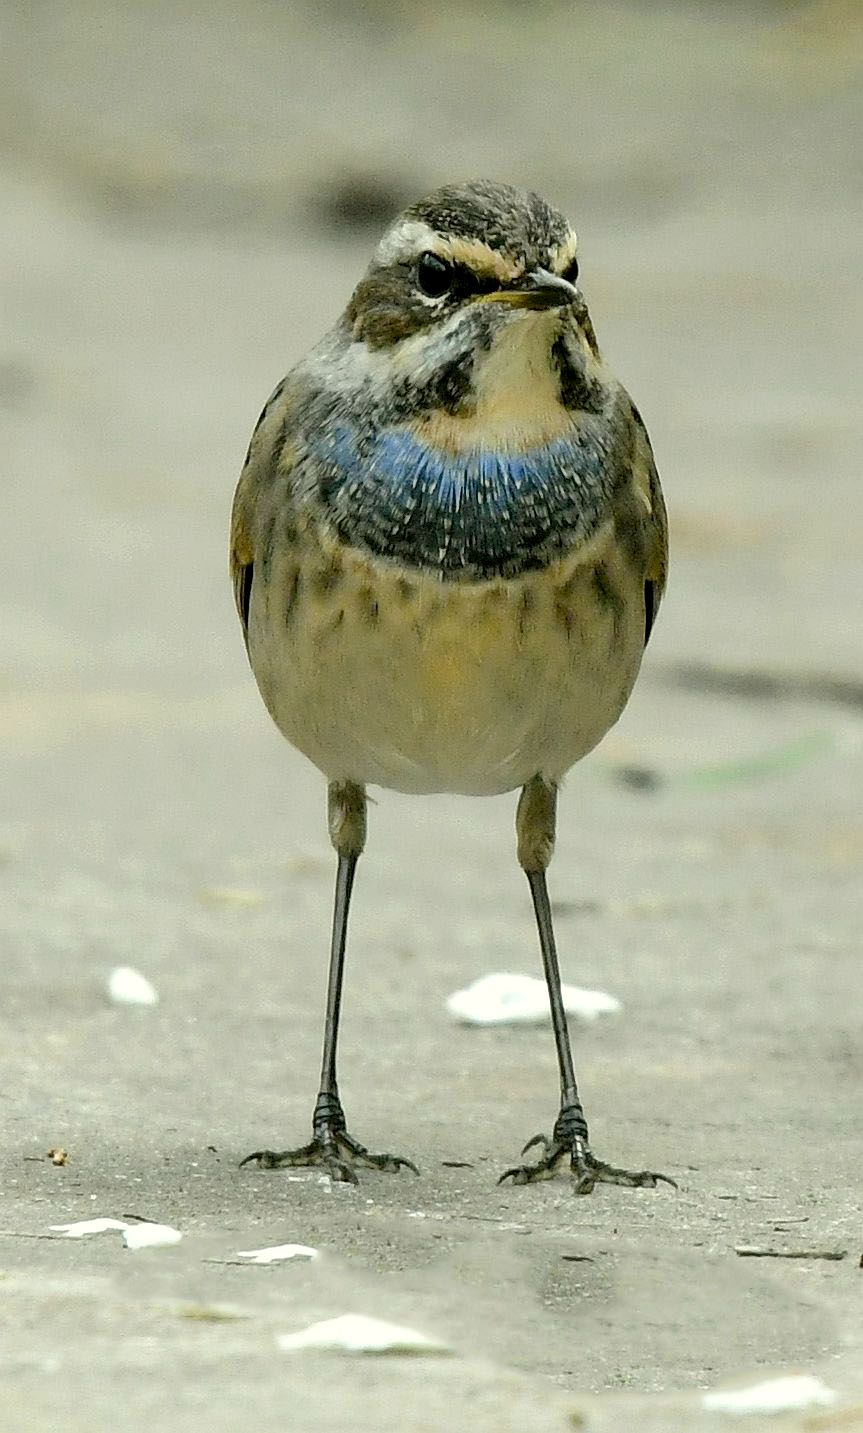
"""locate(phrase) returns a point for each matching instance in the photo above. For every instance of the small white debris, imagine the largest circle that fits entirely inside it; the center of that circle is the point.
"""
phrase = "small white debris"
(358, 1333)
(277, 1252)
(522, 1000)
(88, 1226)
(135, 1236)
(776, 1395)
(129, 987)
(150, 1236)
(231, 896)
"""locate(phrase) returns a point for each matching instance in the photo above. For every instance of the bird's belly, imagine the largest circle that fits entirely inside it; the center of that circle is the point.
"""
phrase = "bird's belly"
(397, 679)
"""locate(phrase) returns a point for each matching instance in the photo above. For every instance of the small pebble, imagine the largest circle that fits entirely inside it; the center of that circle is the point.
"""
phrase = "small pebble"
(277, 1252)
(358, 1333)
(775, 1395)
(129, 987)
(84, 1227)
(502, 999)
(150, 1236)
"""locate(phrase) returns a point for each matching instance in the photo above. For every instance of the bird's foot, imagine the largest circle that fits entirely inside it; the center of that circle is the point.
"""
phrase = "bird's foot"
(331, 1148)
(569, 1142)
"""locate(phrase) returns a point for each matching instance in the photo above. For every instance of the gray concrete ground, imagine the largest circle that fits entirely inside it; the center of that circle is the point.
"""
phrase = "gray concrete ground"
(182, 196)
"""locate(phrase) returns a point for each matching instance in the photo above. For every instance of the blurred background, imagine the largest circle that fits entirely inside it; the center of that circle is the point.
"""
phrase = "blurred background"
(188, 193)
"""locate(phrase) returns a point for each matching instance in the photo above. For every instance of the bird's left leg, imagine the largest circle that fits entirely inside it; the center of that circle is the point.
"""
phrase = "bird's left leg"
(331, 1146)
(535, 827)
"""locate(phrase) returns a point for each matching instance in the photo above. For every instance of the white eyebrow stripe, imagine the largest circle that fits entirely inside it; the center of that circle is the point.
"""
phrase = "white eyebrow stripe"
(411, 237)
(408, 238)
(405, 240)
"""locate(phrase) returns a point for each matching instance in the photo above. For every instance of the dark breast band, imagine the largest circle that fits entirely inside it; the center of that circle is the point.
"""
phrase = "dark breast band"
(471, 515)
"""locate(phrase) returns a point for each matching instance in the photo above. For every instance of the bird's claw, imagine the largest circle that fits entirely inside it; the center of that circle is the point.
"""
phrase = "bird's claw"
(542, 1139)
(586, 1170)
(335, 1151)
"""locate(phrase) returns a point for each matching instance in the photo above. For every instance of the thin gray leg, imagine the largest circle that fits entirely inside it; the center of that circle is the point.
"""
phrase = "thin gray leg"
(535, 827)
(331, 1145)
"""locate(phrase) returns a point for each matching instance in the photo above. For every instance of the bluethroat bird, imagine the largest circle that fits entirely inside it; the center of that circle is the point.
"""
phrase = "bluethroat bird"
(448, 549)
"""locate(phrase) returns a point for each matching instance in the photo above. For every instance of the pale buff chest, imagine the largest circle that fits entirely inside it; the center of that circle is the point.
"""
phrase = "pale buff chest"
(393, 678)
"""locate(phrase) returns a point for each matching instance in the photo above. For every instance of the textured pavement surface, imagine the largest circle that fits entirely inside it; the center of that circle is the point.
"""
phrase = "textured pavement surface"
(182, 196)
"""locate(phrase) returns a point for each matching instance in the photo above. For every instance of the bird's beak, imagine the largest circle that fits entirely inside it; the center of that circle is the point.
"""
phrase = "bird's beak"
(539, 289)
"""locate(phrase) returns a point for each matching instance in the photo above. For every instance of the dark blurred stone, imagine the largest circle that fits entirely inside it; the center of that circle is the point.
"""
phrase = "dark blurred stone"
(638, 778)
(358, 202)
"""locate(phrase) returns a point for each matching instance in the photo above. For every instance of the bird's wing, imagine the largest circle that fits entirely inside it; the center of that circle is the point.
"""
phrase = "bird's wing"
(253, 489)
(646, 482)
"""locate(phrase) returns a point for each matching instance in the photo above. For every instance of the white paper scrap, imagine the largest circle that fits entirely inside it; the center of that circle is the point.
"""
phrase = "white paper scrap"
(150, 1236)
(135, 1236)
(523, 1000)
(277, 1252)
(358, 1333)
(129, 987)
(775, 1395)
(88, 1226)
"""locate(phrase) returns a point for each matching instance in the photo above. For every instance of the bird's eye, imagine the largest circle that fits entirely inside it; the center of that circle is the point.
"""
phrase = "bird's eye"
(570, 273)
(434, 275)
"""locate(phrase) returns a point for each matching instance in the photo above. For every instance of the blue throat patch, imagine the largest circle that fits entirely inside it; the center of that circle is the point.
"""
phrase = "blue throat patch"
(471, 514)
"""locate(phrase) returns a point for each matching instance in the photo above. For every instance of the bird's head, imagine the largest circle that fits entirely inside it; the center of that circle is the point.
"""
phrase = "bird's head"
(458, 417)
(470, 307)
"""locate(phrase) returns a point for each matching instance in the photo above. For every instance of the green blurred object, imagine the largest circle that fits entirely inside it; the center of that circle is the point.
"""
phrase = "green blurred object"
(781, 759)
(787, 757)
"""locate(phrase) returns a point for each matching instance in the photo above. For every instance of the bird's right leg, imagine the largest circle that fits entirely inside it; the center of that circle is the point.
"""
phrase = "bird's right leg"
(331, 1146)
(569, 1143)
